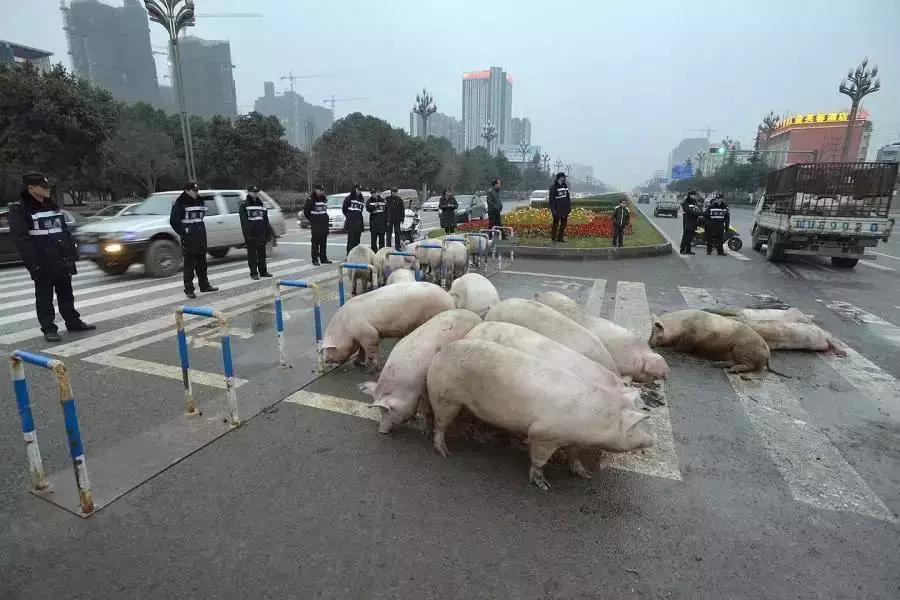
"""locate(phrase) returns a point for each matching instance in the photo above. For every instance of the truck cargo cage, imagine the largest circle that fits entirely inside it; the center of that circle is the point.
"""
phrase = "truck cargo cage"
(832, 189)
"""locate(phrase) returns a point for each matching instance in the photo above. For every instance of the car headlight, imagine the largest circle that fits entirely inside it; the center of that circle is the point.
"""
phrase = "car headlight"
(113, 248)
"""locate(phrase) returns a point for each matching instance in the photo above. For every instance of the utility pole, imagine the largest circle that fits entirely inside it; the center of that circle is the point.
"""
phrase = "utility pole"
(863, 81)
(309, 155)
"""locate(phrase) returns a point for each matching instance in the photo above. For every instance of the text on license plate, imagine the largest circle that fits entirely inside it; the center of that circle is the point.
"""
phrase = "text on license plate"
(89, 248)
(837, 225)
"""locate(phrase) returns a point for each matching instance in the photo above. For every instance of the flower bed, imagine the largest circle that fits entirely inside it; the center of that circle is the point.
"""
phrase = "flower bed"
(536, 222)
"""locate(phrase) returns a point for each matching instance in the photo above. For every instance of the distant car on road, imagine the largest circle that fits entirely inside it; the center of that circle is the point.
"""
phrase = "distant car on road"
(119, 209)
(539, 196)
(8, 252)
(666, 208)
(335, 208)
(644, 199)
(431, 203)
(470, 207)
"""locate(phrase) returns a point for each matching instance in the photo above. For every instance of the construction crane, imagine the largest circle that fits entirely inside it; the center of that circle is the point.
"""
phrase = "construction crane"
(291, 77)
(709, 131)
(331, 101)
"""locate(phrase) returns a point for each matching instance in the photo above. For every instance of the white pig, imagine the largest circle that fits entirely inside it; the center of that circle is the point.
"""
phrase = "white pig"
(380, 262)
(632, 354)
(453, 261)
(388, 312)
(554, 325)
(401, 276)
(474, 292)
(402, 381)
(479, 248)
(531, 396)
(790, 315)
(783, 335)
(361, 277)
(429, 258)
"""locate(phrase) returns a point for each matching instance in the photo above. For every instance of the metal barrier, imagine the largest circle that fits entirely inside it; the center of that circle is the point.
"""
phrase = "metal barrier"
(227, 365)
(450, 238)
(357, 266)
(512, 242)
(38, 477)
(418, 268)
(317, 318)
(487, 242)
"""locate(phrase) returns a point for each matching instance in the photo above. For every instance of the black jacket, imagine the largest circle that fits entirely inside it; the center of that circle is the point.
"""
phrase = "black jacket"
(447, 206)
(395, 209)
(255, 222)
(621, 216)
(560, 201)
(42, 238)
(494, 203)
(316, 212)
(717, 215)
(186, 219)
(352, 209)
(377, 208)
(690, 213)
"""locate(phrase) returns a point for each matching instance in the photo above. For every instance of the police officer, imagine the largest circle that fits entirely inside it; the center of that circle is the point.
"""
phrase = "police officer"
(44, 242)
(186, 219)
(690, 214)
(560, 207)
(377, 208)
(316, 212)
(352, 209)
(447, 206)
(257, 231)
(396, 213)
(717, 218)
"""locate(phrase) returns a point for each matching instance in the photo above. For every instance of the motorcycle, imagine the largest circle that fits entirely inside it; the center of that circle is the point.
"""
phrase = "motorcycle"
(410, 228)
(732, 238)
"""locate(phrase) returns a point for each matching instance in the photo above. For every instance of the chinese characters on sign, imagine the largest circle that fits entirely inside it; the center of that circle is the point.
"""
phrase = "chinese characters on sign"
(812, 118)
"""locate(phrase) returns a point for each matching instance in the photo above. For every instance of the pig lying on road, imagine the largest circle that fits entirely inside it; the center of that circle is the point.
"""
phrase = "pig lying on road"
(528, 395)
(361, 277)
(388, 312)
(554, 325)
(733, 344)
(474, 292)
(402, 381)
(401, 276)
(790, 315)
(632, 355)
(782, 335)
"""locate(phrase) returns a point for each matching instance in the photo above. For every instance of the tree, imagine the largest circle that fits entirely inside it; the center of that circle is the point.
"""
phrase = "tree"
(142, 150)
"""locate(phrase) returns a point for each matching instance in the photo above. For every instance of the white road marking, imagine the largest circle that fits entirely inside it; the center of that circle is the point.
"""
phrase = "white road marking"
(734, 254)
(26, 288)
(344, 406)
(532, 274)
(886, 255)
(874, 265)
(869, 379)
(697, 297)
(22, 275)
(594, 304)
(216, 380)
(884, 329)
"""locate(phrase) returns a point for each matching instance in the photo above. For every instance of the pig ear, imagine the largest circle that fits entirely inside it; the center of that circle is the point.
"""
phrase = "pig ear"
(630, 418)
(657, 325)
(368, 388)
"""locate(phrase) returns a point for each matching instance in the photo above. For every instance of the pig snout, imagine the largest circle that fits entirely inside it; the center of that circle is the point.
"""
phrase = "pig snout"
(636, 434)
(655, 366)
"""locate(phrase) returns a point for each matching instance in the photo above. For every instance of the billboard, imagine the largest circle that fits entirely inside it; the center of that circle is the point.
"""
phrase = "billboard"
(513, 153)
(683, 171)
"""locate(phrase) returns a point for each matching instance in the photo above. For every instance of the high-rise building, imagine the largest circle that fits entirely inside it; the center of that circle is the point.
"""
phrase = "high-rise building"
(303, 122)
(439, 125)
(889, 153)
(16, 54)
(687, 148)
(208, 79)
(520, 130)
(487, 98)
(110, 48)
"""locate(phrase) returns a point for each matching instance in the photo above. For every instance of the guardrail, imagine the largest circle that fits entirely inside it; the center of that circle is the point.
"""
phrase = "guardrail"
(483, 256)
(317, 318)
(227, 364)
(39, 482)
(354, 266)
(496, 242)
(418, 269)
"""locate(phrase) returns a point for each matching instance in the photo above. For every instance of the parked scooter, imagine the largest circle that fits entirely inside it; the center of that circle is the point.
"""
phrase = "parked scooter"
(410, 229)
(732, 238)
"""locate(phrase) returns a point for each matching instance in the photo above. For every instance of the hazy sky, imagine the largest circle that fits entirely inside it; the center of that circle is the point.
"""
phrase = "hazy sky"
(614, 84)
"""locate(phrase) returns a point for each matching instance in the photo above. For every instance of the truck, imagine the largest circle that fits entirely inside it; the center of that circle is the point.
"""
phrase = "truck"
(666, 208)
(825, 209)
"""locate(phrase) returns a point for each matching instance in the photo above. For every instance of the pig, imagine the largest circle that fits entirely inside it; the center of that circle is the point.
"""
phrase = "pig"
(479, 248)
(453, 261)
(554, 325)
(535, 344)
(782, 335)
(528, 395)
(737, 347)
(429, 258)
(790, 315)
(632, 354)
(474, 292)
(388, 312)
(401, 276)
(359, 277)
(402, 381)
(380, 262)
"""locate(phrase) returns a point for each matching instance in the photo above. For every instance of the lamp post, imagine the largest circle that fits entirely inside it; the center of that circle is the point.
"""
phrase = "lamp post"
(174, 16)
(862, 82)
(524, 148)
(559, 165)
(489, 132)
(545, 161)
(424, 107)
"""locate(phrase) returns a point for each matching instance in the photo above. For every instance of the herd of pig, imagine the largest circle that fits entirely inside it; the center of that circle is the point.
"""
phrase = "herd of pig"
(542, 368)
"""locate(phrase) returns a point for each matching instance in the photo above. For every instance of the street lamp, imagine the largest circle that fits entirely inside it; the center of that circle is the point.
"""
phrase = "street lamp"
(489, 132)
(545, 160)
(174, 16)
(424, 107)
(863, 81)
(524, 148)
(559, 165)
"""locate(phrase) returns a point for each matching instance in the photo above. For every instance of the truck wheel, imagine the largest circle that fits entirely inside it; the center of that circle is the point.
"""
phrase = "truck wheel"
(218, 252)
(842, 262)
(163, 259)
(112, 268)
(774, 248)
(757, 242)
(735, 244)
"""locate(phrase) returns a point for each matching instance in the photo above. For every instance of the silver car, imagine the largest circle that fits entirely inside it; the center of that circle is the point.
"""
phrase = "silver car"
(119, 209)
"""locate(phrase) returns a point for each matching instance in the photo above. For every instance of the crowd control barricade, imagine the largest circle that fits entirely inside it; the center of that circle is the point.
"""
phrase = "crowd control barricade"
(387, 269)
(227, 364)
(354, 266)
(38, 478)
(317, 318)
(433, 246)
(506, 238)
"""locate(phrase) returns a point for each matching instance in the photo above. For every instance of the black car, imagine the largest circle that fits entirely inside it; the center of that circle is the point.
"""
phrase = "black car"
(644, 199)
(470, 207)
(8, 253)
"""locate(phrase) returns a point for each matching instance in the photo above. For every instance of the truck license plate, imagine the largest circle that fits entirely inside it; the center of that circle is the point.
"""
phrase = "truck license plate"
(837, 226)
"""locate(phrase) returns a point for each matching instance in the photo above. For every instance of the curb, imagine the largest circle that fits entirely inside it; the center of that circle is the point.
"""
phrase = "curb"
(563, 253)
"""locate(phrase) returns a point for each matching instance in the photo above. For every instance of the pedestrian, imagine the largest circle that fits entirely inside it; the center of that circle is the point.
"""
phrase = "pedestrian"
(376, 206)
(717, 219)
(690, 215)
(44, 242)
(396, 213)
(257, 232)
(186, 219)
(560, 207)
(316, 212)
(621, 219)
(353, 207)
(447, 206)
(494, 205)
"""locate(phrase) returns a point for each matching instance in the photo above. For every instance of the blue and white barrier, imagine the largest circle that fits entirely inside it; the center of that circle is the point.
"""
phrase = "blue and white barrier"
(38, 478)
(317, 318)
(354, 266)
(418, 268)
(227, 364)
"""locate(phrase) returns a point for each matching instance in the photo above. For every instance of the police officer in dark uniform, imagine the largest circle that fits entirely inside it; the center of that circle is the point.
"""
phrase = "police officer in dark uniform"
(560, 206)
(316, 212)
(353, 215)
(186, 219)
(690, 215)
(257, 232)
(44, 242)
(377, 208)
(396, 212)
(717, 218)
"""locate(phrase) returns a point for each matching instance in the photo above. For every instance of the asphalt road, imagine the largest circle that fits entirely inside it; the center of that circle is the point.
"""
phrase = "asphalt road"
(784, 488)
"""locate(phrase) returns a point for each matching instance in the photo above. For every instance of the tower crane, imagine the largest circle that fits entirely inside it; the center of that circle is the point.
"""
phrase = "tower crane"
(292, 78)
(331, 101)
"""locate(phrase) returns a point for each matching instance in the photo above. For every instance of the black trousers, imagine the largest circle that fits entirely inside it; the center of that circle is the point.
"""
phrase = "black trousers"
(494, 219)
(558, 228)
(714, 239)
(394, 228)
(451, 229)
(43, 302)
(256, 259)
(195, 263)
(687, 237)
(377, 238)
(619, 235)
(353, 238)
(319, 246)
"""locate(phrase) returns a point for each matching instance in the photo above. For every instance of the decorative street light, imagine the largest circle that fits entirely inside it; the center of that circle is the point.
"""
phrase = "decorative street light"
(524, 148)
(545, 160)
(559, 165)
(863, 81)
(489, 132)
(174, 16)
(424, 107)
